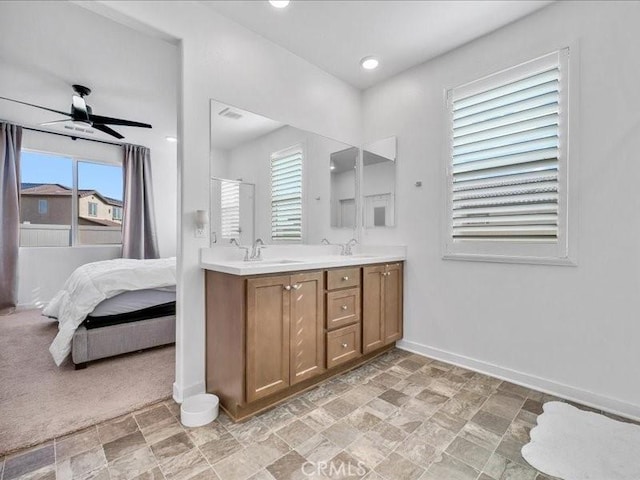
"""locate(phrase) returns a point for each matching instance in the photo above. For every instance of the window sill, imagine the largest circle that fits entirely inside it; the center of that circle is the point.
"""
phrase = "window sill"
(557, 261)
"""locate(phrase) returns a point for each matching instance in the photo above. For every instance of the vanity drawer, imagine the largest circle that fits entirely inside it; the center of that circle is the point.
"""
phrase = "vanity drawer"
(343, 308)
(343, 345)
(343, 278)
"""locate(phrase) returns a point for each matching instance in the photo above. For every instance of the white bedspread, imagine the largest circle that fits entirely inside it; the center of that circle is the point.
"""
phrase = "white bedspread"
(92, 283)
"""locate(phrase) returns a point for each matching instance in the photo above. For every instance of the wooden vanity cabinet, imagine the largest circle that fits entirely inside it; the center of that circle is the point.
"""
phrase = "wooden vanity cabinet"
(271, 336)
(381, 305)
(285, 317)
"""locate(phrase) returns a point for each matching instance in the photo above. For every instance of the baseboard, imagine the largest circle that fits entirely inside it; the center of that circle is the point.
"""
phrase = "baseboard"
(585, 397)
(180, 393)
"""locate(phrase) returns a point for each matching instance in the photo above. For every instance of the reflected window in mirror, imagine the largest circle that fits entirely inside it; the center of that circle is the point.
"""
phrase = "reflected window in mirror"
(230, 209)
(379, 183)
(286, 194)
(343, 187)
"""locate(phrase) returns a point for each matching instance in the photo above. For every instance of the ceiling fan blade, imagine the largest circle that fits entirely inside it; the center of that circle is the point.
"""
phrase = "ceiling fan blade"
(54, 122)
(37, 106)
(99, 119)
(107, 130)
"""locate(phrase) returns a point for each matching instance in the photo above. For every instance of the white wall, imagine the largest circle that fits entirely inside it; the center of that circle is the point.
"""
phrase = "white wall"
(252, 162)
(224, 61)
(44, 270)
(572, 330)
(132, 76)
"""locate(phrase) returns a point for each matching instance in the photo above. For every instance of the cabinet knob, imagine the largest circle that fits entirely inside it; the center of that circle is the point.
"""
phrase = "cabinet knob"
(297, 286)
(344, 345)
(287, 287)
(344, 307)
(345, 278)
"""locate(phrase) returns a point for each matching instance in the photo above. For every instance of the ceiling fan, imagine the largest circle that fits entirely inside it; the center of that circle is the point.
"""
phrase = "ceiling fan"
(82, 113)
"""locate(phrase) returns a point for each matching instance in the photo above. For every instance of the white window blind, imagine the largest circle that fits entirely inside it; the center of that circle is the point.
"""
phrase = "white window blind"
(506, 156)
(286, 195)
(230, 209)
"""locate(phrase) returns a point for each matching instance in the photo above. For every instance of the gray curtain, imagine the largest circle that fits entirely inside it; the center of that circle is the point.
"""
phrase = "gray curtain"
(10, 143)
(139, 238)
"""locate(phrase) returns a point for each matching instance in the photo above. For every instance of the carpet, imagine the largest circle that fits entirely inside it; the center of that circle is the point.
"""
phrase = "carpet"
(576, 445)
(39, 401)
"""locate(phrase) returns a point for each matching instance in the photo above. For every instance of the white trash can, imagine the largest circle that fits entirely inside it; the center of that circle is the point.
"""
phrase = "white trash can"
(199, 410)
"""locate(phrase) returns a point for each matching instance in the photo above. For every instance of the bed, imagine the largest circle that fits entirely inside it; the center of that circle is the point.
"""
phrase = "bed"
(114, 307)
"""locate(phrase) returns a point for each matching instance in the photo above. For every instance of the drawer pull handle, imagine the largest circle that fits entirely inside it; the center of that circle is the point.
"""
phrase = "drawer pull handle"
(344, 345)
(297, 286)
(287, 287)
(344, 307)
(345, 278)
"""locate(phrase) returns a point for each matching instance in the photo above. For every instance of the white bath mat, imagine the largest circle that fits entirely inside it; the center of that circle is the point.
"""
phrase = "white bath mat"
(576, 445)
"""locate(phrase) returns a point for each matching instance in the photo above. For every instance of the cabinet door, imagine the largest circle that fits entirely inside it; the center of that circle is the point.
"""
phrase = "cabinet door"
(393, 303)
(268, 311)
(373, 336)
(307, 326)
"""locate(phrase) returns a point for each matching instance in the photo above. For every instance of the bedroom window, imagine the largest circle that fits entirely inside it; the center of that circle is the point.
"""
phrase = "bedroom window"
(100, 192)
(46, 188)
(50, 217)
(230, 209)
(508, 165)
(286, 194)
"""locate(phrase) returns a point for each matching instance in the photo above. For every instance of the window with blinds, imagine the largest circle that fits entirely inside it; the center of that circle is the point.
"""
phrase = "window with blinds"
(286, 194)
(230, 209)
(505, 175)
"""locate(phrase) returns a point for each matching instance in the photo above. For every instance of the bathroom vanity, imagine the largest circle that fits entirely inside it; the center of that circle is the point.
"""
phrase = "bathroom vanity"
(277, 327)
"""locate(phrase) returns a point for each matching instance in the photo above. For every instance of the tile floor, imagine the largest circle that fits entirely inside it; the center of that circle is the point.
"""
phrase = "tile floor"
(400, 417)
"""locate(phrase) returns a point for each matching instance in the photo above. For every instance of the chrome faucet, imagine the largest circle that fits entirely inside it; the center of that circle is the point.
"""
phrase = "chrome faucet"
(256, 252)
(233, 241)
(346, 248)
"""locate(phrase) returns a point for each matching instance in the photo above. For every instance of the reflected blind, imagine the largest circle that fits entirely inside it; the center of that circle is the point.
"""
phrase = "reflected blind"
(286, 195)
(230, 209)
(505, 158)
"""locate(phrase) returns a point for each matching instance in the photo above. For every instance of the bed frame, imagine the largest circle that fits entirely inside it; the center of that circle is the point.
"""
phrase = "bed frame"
(95, 343)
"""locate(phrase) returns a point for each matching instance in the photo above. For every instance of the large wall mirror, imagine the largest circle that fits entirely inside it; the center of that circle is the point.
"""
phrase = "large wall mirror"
(303, 185)
(379, 183)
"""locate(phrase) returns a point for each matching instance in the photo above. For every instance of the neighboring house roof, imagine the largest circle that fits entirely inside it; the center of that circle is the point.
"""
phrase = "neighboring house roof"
(57, 189)
(114, 201)
(44, 189)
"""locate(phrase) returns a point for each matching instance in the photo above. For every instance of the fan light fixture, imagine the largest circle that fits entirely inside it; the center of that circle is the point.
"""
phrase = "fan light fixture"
(279, 3)
(369, 63)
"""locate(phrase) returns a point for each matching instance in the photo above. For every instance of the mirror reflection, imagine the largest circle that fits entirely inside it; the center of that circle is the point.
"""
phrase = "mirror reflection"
(232, 211)
(379, 183)
(289, 169)
(343, 188)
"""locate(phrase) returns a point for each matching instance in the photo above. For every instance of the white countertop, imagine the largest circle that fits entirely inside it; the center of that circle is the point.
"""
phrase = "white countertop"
(293, 258)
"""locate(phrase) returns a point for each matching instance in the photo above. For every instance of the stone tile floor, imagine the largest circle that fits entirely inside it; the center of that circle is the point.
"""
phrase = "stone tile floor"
(402, 416)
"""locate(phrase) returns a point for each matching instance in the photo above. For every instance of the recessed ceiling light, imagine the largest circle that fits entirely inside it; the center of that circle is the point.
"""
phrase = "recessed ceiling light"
(369, 63)
(279, 3)
(171, 139)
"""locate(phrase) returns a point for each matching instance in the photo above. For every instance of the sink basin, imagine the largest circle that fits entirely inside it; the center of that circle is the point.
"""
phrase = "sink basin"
(275, 262)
